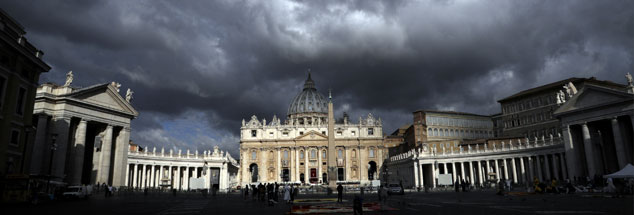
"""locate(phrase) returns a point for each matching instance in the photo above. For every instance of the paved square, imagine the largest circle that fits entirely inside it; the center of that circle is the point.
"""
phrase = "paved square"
(485, 202)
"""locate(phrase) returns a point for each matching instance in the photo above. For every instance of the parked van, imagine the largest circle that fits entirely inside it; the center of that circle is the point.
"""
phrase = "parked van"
(77, 192)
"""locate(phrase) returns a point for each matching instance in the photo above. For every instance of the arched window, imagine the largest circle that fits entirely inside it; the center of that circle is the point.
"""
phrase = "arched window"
(371, 153)
(254, 155)
(339, 153)
(301, 154)
(430, 132)
(285, 154)
(313, 154)
(323, 154)
(435, 132)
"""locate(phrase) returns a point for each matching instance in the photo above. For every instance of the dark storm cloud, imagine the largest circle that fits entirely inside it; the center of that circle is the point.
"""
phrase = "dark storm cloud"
(226, 60)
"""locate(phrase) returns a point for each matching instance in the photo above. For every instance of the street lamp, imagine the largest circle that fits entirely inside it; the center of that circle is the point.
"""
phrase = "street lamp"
(50, 162)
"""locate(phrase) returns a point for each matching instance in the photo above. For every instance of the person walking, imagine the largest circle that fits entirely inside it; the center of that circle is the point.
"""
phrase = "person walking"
(292, 193)
(246, 191)
(287, 194)
(339, 193)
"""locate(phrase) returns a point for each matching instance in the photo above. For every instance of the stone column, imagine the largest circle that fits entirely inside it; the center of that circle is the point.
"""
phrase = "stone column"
(306, 173)
(346, 160)
(434, 174)
(453, 169)
(514, 170)
(127, 177)
(522, 170)
(486, 173)
(121, 156)
(296, 165)
(555, 168)
(39, 147)
(61, 127)
(153, 176)
(135, 175)
(539, 168)
(161, 171)
(177, 178)
(587, 143)
(619, 144)
(208, 177)
(186, 177)
(547, 167)
(143, 175)
(471, 169)
(421, 174)
(104, 169)
(319, 178)
(531, 170)
(497, 170)
(506, 169)
(416, 183)
(571, 157)
(563, 166)
(279, 165)
(78, 153)
(444, 168)
(480, 173)
(462, 173)
(224, 177)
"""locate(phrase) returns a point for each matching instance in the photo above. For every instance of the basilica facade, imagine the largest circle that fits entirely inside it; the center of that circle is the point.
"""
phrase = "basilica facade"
(309, 145)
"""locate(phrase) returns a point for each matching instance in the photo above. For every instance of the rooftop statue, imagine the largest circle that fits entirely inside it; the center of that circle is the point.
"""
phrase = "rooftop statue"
(69, 78)
(128, 95)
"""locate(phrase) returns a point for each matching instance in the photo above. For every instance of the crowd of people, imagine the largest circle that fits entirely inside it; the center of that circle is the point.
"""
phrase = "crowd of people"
(270, 192)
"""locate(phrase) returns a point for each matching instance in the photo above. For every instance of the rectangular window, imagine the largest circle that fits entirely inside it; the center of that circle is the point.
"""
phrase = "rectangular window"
(254, 155)
(371, 153)
(270, 134)
(353, 133)
(370, 131)
(340, 153)
(323, 132)
(339, 133)
(15, 137)
(323, 154)
(254, 133)
(301, 155)
(313, 154)
(19, 106)
(301, 133)
(285, 133)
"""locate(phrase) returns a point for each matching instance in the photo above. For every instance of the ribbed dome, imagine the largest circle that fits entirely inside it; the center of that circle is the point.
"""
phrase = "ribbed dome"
(309, 100)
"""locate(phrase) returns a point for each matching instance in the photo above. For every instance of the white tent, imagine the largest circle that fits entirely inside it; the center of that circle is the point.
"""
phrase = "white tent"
(626, 172)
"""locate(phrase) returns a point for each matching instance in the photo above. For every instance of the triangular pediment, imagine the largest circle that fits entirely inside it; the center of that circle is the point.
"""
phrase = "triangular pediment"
(103, 96)
(312, 135)
(593, 96)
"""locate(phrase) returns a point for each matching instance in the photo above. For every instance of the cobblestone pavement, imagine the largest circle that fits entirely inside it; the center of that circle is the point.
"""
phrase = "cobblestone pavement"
(411, 203)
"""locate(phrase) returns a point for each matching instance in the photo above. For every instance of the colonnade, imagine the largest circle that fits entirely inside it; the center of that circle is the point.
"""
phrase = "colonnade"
(521, 169)
(178, 177)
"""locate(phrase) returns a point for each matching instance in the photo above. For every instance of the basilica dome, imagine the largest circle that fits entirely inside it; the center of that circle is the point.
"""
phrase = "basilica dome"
(309, 101)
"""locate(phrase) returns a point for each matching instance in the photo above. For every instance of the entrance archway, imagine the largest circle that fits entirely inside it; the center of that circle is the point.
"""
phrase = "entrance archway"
(371, 170)
(324, 178)
(253, 168)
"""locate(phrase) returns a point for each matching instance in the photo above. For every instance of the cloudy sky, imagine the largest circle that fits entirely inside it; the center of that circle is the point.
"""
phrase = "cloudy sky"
(199, 67)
